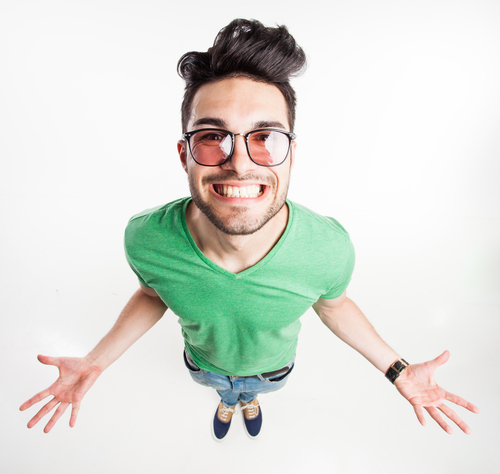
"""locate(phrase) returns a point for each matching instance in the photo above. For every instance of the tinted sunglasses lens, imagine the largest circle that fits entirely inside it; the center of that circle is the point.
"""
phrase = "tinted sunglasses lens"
(210, 147)
(268, 147)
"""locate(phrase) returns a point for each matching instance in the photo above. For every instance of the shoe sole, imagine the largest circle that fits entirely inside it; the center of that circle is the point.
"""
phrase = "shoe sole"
(249, 435)
(219, 440)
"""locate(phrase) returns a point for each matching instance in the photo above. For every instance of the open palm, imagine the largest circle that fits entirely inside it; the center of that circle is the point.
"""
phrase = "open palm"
(418, 386)
(76, 376)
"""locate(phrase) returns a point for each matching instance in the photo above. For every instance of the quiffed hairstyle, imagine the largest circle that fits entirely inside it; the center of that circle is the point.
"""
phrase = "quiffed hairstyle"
(244, 48)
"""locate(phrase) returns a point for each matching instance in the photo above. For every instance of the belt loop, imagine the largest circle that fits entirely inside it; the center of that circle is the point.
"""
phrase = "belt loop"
(262, 379)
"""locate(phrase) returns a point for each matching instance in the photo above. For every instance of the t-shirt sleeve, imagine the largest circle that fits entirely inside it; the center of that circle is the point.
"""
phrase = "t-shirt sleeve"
(135, 270)
(342, 282)
(129, 246)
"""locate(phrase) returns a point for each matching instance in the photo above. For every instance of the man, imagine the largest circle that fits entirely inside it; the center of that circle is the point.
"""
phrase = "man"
(237, 262)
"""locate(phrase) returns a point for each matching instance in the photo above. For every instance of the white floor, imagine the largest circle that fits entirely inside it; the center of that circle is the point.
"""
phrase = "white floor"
(337, 413)
(398, 139)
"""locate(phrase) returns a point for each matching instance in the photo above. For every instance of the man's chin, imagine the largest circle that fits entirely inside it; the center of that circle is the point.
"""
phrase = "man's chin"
(239, 228)
(237, 224)
(239, 221)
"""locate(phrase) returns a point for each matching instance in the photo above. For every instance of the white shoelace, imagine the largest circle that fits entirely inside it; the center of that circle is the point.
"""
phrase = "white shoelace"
(251, 410)
(224, 413)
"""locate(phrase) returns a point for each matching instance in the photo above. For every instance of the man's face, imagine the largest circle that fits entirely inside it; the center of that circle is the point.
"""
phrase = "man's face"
(239, 105)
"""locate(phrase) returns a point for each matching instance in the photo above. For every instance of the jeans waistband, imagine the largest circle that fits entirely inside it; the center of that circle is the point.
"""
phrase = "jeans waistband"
(265, 375)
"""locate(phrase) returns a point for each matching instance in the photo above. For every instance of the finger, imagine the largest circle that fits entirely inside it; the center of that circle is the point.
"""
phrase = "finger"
(37, 398)
(48, 360)
(420, 414)
(455, 418)
(437, 418)
(461, 402)
(74, 414)
(46, 409)
(58, 413)
(441, 359)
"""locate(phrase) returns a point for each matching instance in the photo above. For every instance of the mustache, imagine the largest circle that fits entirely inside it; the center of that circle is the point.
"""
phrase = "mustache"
(219, 178)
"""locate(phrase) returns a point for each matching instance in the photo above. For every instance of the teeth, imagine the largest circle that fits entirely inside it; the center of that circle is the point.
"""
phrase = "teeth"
(246, 192)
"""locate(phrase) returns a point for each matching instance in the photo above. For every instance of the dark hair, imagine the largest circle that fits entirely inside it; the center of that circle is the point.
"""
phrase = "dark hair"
(244, 48)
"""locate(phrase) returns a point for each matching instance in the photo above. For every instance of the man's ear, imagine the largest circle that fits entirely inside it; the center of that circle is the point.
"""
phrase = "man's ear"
(181, 149)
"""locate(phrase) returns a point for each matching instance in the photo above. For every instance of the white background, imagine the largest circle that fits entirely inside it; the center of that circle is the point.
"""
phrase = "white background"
(398, 138)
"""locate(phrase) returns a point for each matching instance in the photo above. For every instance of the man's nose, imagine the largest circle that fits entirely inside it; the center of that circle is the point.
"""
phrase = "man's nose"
(240, 162)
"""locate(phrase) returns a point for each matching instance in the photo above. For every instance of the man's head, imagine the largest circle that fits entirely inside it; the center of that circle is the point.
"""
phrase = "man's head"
(240, 87)
(244, 48)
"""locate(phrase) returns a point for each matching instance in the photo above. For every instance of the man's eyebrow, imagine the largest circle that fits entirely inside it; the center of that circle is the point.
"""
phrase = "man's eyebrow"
(218, 122)
(214, 121)
(268, 124)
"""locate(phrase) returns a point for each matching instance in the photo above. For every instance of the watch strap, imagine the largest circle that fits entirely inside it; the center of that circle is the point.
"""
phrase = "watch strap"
(396, 369)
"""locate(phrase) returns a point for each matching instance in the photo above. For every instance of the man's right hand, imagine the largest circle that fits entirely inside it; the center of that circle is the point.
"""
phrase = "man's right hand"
(76, 376)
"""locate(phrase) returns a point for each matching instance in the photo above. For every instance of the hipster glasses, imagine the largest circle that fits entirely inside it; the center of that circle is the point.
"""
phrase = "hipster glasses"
(214, 147)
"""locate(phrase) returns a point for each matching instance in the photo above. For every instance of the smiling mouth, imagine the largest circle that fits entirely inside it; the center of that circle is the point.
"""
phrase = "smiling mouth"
(247, 192)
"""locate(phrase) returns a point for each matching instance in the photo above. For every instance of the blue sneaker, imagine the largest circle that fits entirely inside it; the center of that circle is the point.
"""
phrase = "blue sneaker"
(253, 418)
(222, 421)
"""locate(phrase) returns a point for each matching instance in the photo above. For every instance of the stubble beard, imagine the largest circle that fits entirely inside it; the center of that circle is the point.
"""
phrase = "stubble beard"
(238, 222)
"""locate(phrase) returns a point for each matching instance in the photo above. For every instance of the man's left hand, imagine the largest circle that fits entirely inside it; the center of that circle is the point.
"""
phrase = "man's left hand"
(417, 385)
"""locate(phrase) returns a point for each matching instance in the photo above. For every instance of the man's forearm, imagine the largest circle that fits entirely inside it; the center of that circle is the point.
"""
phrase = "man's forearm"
(349, 323)
(140, 314)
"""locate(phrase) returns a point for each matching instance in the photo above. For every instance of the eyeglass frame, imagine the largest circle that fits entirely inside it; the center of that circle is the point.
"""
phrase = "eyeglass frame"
(291, 136)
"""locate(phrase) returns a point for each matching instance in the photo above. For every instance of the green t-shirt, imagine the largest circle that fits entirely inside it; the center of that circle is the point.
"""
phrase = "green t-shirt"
(245, 323)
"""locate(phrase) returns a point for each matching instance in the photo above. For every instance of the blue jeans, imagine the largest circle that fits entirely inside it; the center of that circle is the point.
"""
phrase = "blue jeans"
(234, 389)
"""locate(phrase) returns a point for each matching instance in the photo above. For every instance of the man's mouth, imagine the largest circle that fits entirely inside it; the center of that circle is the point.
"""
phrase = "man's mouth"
(248, 192)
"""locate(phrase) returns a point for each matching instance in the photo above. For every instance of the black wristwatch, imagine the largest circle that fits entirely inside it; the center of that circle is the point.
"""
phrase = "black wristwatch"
(396, 369)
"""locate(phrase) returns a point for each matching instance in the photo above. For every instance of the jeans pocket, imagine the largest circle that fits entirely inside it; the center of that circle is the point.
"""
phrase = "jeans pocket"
(279, 378)
(190, 365)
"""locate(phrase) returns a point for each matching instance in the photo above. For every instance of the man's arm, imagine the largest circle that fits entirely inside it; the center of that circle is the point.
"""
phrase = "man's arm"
(140, 314)
(346, 321)
(416, 383)
(78, 374)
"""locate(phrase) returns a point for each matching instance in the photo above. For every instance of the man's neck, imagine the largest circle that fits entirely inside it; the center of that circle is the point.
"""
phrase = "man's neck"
(234, 253)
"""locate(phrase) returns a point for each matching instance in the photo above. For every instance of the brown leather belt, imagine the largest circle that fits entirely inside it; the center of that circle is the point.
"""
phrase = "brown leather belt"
(274, 373)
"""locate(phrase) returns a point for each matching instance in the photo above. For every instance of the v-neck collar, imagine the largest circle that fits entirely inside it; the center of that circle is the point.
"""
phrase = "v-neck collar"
(249, 270)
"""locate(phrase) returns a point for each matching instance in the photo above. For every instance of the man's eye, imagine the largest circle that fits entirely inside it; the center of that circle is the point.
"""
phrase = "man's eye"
(261, 136)
(212, 136)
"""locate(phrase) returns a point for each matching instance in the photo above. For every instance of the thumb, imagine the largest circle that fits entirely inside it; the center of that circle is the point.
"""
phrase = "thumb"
(48, 360)
(441, 359)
